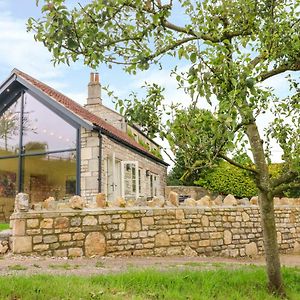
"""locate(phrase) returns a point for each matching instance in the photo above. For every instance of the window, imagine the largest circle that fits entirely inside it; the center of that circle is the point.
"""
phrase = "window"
(38, 152)
(10, 130)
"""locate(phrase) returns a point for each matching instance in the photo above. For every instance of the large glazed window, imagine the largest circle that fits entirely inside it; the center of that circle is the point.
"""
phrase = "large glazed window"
(38, 151)
(50, 175)
(43, 130)
(10, 130)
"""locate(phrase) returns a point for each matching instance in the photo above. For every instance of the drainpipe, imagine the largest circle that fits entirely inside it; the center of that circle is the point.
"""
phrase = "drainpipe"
(100, 163)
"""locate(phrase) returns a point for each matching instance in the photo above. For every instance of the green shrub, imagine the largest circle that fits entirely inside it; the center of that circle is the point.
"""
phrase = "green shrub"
(228, 179)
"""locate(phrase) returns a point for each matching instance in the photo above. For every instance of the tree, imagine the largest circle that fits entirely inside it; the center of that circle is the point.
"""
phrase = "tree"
(232, 46)
(146, 112)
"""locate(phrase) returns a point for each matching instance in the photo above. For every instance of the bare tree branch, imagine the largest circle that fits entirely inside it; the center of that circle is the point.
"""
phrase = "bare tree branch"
(234, 163)
(285, 178)
(284, 187)
(281, 69)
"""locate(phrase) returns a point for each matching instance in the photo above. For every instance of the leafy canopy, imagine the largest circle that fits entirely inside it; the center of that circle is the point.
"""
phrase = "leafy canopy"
(232, 47)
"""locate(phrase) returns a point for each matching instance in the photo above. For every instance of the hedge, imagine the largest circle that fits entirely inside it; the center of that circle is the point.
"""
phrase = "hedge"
(228, 179)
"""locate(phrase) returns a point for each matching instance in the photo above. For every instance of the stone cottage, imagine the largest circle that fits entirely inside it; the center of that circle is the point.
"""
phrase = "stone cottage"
(50, 146)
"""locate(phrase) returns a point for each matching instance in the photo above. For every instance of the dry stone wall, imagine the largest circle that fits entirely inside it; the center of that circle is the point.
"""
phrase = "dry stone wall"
(218, 231)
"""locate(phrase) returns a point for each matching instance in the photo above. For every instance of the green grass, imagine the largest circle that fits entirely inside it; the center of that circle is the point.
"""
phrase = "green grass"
(247, 283)
(4, 226)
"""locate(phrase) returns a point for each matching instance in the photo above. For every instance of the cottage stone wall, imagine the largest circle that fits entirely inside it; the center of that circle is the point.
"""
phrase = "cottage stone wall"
(90, 165)
(219, 231)
(125, 154)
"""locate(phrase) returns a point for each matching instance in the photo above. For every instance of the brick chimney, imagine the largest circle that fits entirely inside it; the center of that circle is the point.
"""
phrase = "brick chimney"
(94, 90)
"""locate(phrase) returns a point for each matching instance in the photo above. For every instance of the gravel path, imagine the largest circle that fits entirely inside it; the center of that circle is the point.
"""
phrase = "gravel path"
(24, 265)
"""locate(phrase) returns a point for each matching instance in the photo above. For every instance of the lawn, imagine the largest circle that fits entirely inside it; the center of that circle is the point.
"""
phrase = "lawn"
(244, 283)
(4, 226)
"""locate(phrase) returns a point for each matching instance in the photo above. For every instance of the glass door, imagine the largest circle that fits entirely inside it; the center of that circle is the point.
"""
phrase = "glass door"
(130, 180)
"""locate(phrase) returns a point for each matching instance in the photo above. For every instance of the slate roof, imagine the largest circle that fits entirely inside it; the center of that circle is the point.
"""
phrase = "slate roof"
(84, 114)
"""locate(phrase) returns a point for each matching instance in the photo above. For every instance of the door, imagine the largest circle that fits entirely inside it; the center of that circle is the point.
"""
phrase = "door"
(113, 178)
(130, 180)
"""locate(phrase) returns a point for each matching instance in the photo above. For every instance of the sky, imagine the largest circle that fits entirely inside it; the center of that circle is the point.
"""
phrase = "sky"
(18, 49)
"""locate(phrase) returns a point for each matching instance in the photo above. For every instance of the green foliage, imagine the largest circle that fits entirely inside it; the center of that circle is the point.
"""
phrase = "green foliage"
(232, 47)
(219, 282)
(4, 226)
(227, 179)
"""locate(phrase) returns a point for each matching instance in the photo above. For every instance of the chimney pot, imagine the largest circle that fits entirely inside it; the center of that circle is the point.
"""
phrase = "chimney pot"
(92, 77)
(97, 77)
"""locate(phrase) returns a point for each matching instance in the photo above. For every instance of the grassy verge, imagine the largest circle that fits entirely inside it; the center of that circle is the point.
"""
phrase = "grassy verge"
(4, 226)
(246, 283)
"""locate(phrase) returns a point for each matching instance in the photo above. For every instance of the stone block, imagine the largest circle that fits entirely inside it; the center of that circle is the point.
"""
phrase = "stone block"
(204, 201)
(179, 214)
(296, 247)
(254, 200)
(75, 221)
(78, 236)
(245, 217)
(162, 239)
(190, 202)
(40, 247)
(101, 200)
(77, 202)
(48, 239)
(75, 252)
(61, 253)
(22, 202)
(61, 222)
(22, 244)
(95, 244)
(133, 225)
(65, 237)
(33, 223)
(89, 221)
(227, 237)
(205, 221)
(47, 223)
(18, 227)
(146, 221)
(174, 251)
(251, 249)
(204, 243)
(37, 239)
(188, 251)
(230, 200)
(174, 198)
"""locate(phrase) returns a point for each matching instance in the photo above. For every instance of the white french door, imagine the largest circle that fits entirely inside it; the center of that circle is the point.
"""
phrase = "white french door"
(130, 179)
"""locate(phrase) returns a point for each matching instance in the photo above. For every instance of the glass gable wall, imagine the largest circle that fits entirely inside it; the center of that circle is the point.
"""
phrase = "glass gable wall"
(38, 151)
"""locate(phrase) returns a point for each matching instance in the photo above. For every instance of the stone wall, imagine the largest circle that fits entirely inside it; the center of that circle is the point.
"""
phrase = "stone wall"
(90, 165)
(89, 168)
(124, 154)
(219, 231)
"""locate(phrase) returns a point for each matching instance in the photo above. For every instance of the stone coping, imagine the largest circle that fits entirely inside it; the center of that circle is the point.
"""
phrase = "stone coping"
(148, 210)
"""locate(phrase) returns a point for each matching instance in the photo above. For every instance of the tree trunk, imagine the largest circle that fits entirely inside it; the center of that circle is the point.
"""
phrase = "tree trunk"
(266, 203)
(275, 283)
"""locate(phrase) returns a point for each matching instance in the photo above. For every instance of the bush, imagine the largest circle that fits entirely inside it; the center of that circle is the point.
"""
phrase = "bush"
(228, 179)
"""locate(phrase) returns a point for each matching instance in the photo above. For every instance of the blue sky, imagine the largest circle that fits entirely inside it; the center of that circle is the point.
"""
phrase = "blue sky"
(19, 50)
